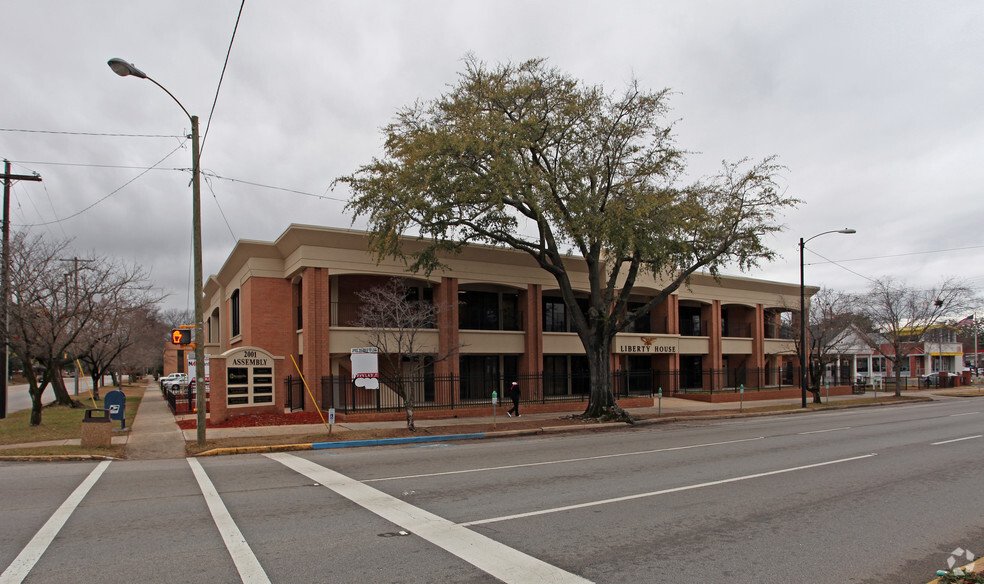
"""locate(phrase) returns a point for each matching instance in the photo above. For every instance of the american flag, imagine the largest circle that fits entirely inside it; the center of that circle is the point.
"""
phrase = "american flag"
(967, 321)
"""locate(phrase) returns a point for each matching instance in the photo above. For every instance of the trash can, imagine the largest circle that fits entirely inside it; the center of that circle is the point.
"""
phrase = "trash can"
(97, 429)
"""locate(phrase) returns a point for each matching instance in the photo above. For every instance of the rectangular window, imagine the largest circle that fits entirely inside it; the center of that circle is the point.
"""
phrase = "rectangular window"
(690, 325)
(479, 311)
(554, 316)
(878, 364)
(641, 324)
(510, 312)
(555, 375)
(480, 375)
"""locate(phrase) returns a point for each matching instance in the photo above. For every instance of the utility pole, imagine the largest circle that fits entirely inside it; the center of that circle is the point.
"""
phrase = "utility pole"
(5, 288)
(74, 299)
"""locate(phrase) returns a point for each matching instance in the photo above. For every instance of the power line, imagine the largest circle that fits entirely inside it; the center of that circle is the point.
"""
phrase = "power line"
(208, 124)
(87, 165)
(102, 134)
(120, 188)
(208, 183)
(830, 261)
(899, 255)
(255, 184)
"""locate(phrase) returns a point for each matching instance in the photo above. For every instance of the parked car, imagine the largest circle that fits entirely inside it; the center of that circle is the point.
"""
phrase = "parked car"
(174, 382)
(931, 379)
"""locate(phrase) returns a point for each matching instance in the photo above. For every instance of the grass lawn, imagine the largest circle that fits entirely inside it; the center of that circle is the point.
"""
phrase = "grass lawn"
(61, 423)
(974, 391)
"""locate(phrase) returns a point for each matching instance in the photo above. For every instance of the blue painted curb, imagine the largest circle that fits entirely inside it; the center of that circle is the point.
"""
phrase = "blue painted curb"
(385, 441)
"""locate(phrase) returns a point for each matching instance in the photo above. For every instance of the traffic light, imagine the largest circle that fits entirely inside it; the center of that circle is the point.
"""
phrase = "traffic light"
(181, 337)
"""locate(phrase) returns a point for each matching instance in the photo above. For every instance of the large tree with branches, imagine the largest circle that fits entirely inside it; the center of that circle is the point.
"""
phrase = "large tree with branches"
(527, 157)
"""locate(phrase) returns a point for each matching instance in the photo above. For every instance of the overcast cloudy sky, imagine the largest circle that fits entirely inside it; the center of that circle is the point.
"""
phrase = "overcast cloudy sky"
(873, 106)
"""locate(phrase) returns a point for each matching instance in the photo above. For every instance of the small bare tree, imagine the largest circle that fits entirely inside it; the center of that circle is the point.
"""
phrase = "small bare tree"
(400, 326)
(144, 354)
(899, 314)
(830, 316)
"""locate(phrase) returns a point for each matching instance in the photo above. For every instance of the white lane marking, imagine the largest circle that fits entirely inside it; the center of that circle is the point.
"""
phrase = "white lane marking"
(964, 414)
(29, 556)
(250, 570)
(497, 559)
(956, 440)
(824, 431)
(662, 492)
(564, 461)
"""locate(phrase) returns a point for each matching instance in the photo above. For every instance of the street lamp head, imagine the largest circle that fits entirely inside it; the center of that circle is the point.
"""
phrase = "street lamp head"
(847, 230)
(122, 68)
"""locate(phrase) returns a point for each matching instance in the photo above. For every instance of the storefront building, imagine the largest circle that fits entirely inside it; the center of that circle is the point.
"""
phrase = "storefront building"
(292, 304)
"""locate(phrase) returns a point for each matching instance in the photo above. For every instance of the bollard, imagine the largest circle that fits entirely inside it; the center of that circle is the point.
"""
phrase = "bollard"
(97, 430)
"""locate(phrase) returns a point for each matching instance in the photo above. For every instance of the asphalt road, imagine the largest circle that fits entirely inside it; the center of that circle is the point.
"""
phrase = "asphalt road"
(18, 399)
(865, 495)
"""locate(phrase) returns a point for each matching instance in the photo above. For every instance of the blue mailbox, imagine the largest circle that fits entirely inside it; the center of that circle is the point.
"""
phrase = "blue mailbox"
(115, 402)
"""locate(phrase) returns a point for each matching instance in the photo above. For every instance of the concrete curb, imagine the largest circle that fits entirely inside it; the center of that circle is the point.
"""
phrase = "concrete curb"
(378, 442)
(524, 432)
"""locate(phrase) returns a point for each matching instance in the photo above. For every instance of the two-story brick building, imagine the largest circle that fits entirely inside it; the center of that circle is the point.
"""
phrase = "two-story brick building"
(277, 309)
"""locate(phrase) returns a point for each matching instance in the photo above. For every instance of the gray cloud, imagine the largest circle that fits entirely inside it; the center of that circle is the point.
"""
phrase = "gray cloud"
(871, 106)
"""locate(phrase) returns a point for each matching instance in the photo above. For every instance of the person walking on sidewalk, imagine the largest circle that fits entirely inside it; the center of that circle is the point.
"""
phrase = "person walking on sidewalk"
(514, 395)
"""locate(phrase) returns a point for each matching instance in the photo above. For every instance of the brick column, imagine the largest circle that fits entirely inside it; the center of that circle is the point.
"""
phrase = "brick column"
(531, 361)
(218, 410)
(712, 316)
(758, 344)
(315, 312)
(448, 338)
(673, 328)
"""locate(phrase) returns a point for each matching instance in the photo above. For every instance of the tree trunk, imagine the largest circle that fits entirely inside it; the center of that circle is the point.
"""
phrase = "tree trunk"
(601, 401)
(407, 402)
(95, 385)
(36, 405)
(62, 396)
(816, 395)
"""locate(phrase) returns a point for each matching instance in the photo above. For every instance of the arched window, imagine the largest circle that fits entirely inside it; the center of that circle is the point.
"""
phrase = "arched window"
(234, 309)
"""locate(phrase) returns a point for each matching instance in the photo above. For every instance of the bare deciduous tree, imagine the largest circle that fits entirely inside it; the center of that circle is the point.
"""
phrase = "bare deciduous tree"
(830, 316)
(53, 319)
(402, 329)
(899, 314)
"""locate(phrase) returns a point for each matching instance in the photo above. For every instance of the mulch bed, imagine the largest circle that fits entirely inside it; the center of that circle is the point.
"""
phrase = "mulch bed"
(253, 420)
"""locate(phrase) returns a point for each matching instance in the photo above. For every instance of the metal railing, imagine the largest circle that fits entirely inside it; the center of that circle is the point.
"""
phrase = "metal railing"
(181, 399)
(454, 392)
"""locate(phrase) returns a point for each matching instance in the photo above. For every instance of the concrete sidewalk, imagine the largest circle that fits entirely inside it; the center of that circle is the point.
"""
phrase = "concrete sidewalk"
(155, 433)
(668, 407)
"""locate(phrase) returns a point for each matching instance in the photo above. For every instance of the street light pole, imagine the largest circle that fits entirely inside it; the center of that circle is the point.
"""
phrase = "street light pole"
(804, 354)
(124, 69)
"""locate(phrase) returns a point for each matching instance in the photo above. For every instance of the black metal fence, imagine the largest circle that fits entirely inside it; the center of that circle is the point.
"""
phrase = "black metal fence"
(182, 399)
(450, 392)
(433, 392)
(707, 380)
